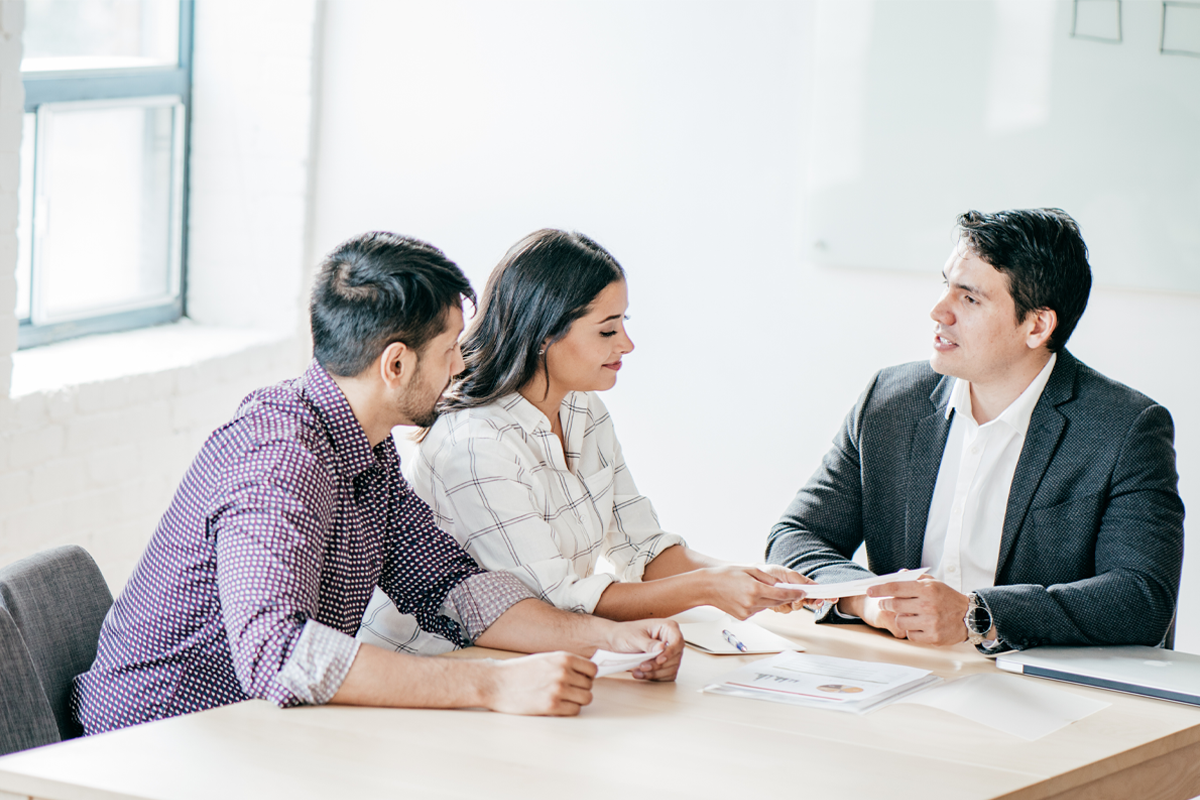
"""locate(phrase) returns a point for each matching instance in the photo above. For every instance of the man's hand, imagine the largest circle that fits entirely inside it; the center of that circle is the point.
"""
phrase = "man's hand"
(643, 636)
(782, 574)
(743, 591)
(547, 684)
(926, 610)
(869, 610)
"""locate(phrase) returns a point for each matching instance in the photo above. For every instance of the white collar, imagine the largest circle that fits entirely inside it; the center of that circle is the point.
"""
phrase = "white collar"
(1019, 411)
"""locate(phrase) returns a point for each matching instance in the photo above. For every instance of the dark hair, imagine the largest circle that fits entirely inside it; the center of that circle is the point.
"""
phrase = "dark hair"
(544, 283)
(376, 289)
(1043, 254)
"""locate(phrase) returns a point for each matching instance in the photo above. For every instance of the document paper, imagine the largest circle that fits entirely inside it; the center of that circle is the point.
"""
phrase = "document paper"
(823, 682)
(608, 662)
(828, 591)
(723, 635)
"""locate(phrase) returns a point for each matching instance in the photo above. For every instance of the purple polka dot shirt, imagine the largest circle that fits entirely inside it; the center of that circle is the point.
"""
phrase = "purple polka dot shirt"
(257, 578)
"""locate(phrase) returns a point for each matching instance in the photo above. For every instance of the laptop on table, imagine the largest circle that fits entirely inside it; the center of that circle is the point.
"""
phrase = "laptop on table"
(1133, 669)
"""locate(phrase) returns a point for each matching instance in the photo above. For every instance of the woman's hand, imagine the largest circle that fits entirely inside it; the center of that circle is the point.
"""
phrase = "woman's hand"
(744, 591)
(785, 575)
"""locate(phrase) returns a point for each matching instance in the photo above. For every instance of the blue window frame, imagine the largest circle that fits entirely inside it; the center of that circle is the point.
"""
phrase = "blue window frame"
(102, 235)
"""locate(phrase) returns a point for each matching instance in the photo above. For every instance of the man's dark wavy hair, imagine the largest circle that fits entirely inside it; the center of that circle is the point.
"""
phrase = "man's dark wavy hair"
(1043, 254)
(376, 289)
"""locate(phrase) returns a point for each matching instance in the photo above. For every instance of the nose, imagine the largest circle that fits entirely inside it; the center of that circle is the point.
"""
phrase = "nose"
(941, 313)
(627, 343)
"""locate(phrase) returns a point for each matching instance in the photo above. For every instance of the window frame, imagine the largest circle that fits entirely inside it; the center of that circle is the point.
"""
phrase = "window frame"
(119, 84)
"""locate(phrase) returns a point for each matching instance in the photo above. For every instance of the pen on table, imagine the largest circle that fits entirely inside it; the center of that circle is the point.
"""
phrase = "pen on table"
(733, 640)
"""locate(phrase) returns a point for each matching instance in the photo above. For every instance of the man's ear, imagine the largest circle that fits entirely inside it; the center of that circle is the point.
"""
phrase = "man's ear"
(397, 363)
(1044, 320)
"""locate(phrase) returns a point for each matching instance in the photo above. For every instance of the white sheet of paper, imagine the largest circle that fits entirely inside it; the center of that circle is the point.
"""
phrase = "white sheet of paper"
(827, 591)
(1018, 706)
(609, 662)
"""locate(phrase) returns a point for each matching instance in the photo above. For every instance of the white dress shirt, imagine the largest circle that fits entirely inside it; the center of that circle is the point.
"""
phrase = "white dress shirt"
(966, 514)
(500, 483)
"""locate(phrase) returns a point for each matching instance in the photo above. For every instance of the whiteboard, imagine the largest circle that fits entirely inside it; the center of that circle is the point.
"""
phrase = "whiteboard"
(923, 109)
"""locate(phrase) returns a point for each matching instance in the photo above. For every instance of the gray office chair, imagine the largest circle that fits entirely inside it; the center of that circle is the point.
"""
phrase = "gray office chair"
(57, 600)
(25, 716)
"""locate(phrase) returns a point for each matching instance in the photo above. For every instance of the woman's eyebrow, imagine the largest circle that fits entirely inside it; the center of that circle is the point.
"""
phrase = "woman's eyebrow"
(609, 319)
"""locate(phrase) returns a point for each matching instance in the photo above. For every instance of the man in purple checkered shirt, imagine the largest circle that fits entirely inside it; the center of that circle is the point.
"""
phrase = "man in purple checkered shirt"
(256, 580)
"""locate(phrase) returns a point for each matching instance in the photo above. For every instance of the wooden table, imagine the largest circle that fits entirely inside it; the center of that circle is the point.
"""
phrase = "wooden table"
(636, 740)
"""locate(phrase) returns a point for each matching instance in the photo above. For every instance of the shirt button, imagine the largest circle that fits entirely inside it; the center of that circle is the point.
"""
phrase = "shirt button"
(951, 568)
(975, 450)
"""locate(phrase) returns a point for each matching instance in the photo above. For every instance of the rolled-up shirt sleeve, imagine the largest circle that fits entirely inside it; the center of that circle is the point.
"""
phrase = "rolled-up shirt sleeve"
(270, 542)
(427, 574)
(500, 522)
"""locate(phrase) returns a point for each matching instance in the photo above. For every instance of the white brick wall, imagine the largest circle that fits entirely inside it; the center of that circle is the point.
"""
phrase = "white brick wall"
(97, 463)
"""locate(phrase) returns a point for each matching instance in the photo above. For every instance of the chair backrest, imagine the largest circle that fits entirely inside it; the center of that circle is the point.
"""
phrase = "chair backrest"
(58, 600)
(25, 716)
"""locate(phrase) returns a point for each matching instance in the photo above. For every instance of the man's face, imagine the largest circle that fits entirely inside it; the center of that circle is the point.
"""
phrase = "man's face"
(439, 361)
(977, 337)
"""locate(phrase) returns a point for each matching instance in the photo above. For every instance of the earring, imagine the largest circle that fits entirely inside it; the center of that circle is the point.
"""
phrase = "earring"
(542, 352)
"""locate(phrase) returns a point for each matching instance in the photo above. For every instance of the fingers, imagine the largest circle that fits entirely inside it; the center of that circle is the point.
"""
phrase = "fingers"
(763, 577)
(660, 669)
(898, 589)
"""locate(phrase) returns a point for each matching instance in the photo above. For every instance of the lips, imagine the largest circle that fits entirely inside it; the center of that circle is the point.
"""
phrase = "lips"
(943, 344)
(614, 366)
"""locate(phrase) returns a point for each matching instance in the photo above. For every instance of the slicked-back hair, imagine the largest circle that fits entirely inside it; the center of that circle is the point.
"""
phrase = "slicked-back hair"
(543, 284)
(1043, 254)
(376, 289)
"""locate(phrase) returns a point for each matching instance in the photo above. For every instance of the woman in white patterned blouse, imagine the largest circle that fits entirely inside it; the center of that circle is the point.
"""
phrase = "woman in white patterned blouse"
(524, 469)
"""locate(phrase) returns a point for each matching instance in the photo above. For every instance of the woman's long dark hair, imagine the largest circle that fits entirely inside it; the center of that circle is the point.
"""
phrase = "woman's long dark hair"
(544, 283)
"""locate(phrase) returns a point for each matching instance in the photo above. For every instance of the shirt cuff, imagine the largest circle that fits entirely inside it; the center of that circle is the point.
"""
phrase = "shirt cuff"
(837, 612)
(318, 664)
(481, 599)
(647, 552)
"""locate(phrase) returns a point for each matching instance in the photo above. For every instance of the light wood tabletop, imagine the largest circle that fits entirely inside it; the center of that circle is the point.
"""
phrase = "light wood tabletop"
(637, 740)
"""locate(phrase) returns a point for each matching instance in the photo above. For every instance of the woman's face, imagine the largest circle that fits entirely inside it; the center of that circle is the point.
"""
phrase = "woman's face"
(588, 357)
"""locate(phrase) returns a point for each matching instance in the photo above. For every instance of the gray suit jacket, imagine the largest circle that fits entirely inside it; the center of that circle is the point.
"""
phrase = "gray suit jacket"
(1092, 546)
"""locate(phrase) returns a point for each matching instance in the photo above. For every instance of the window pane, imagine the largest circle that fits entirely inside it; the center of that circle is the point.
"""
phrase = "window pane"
(100, 34)
(104, 232)
(25, 216)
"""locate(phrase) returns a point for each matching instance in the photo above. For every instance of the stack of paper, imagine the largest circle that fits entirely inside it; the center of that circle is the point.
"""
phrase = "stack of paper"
(824, 682)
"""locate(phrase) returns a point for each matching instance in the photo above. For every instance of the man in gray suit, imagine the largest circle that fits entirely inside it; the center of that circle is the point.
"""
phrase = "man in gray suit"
(1041, 494)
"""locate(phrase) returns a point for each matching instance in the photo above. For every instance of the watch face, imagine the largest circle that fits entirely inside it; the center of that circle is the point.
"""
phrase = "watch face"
(978, 619)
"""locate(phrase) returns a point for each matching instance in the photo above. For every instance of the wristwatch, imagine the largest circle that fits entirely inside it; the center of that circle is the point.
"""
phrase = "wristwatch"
(978, 620)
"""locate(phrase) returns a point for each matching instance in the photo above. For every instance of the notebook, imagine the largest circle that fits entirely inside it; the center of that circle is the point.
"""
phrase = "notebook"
(1133, 669)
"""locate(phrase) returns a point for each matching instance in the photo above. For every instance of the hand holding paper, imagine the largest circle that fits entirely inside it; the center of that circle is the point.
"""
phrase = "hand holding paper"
(607, 662)
(832, 591)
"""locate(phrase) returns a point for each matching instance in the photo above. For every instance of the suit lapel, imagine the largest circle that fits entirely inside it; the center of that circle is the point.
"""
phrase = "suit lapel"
(1046, 428)
(929, 441)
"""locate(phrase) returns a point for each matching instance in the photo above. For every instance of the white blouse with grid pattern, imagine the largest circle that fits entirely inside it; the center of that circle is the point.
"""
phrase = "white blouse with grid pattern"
(498, 482)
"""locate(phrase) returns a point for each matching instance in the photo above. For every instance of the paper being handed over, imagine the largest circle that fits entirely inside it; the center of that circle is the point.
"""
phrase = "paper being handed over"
(828, 591)
(608, 662)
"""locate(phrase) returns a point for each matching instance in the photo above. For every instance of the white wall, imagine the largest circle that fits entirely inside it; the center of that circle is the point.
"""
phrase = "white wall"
(675, 134)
